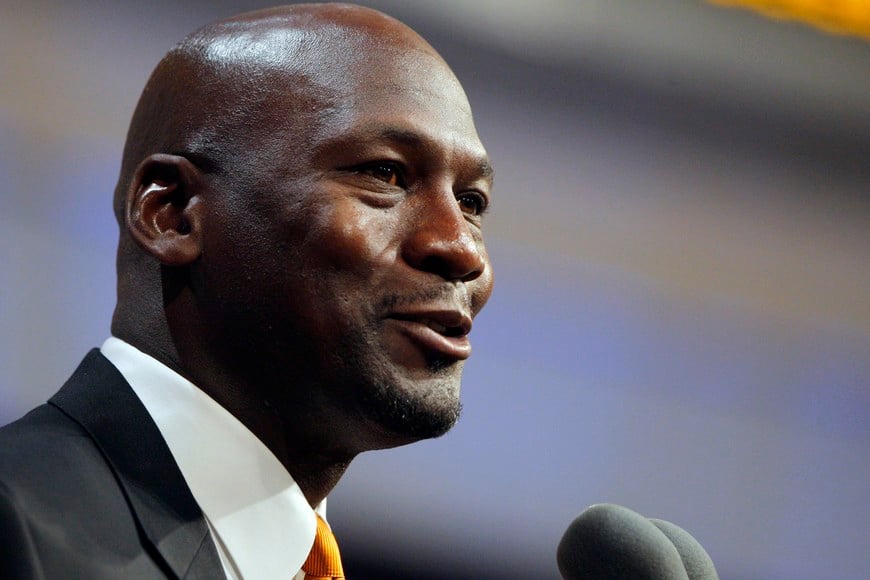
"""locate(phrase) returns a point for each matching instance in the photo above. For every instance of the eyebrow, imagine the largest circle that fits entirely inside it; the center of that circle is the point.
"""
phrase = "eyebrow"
(411, 138)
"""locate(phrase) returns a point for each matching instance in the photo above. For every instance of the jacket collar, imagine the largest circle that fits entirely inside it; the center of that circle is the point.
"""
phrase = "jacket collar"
(101, 401)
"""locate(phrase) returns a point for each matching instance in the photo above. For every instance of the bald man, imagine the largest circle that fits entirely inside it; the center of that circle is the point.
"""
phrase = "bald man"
(299, 264)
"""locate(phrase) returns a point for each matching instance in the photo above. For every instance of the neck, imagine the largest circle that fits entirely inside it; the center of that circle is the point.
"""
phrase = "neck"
(306, 449)
(310, 438)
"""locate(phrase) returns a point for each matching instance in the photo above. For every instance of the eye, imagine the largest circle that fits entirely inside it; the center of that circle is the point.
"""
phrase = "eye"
(389, 172)
(472, 203)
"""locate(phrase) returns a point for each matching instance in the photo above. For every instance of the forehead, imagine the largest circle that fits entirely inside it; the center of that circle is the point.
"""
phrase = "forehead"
(408, 97)
(309, 89)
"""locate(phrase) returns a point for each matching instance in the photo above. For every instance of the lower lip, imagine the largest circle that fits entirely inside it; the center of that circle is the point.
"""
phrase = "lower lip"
(455, 347)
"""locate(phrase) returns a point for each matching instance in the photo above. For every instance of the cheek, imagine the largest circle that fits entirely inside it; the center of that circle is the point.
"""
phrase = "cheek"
(354, 238)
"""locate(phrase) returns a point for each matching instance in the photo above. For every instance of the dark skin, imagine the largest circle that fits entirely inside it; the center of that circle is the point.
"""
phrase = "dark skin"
(301, 231)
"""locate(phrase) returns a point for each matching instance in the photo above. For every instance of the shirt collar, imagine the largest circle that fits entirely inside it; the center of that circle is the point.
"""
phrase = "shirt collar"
(260, 515)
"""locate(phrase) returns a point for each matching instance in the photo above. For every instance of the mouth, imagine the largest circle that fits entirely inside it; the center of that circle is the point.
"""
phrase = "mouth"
(443, 333)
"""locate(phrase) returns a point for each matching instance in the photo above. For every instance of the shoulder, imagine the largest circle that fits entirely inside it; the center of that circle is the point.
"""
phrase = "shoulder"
(51, 475)
(43, 443)
(63, 513)
(48, 464)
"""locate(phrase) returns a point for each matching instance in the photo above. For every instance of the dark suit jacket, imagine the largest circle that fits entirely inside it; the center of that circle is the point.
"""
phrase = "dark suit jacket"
(89, 489)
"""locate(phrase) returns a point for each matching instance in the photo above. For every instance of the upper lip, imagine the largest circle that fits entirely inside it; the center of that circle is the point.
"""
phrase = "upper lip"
(445, 321)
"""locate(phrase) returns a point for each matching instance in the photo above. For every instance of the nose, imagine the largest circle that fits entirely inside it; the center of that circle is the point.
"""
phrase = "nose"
(442, 241)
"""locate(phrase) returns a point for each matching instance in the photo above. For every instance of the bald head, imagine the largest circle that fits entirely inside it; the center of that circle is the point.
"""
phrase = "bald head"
(217, 82)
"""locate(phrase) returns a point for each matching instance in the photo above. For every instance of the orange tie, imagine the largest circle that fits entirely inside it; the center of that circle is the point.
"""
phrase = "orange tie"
(324, 561)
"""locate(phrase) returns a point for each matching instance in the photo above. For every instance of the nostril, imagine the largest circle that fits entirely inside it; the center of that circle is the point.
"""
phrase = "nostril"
(435, 264)
(453, 267)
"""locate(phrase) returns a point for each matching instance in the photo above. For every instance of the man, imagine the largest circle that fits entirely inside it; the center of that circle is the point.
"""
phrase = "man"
(299, 264)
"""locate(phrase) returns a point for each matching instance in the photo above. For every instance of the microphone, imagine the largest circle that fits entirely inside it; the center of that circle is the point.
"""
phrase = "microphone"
(610, 542)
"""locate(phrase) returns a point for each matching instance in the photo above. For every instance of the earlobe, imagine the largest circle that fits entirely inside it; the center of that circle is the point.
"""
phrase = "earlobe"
(162, 210)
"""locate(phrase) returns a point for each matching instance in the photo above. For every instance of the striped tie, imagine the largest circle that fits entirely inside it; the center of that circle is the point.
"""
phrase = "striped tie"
(324, 561)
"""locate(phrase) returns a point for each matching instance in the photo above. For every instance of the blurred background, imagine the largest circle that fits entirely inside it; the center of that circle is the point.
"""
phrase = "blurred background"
(681, 237)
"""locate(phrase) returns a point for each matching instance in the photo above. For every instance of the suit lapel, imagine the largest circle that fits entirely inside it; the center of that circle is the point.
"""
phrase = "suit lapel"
(101, 401)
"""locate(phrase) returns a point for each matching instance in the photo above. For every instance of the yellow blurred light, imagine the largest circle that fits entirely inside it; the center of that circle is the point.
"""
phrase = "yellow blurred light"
(838, 16)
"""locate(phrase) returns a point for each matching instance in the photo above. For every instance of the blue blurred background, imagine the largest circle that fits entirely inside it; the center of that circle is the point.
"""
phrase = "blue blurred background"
(681, 237)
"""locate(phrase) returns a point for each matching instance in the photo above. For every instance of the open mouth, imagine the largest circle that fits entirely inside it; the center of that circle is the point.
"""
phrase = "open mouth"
(443, 332)
(451, 325)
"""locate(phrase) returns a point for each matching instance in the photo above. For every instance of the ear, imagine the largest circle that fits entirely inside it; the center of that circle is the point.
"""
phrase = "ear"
(163, 210)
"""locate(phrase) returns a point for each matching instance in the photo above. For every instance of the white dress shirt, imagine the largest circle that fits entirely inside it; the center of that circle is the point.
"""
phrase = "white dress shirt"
(259, 519)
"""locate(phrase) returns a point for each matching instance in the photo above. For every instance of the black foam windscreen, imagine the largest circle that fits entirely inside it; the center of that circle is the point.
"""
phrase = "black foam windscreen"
(698, 564)
(610, 542)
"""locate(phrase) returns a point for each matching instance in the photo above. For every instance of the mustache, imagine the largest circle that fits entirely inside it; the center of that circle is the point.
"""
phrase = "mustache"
(449, 293)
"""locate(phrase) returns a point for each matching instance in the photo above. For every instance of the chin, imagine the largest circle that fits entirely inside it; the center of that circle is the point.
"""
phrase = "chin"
(403, 398)
(416, 408)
